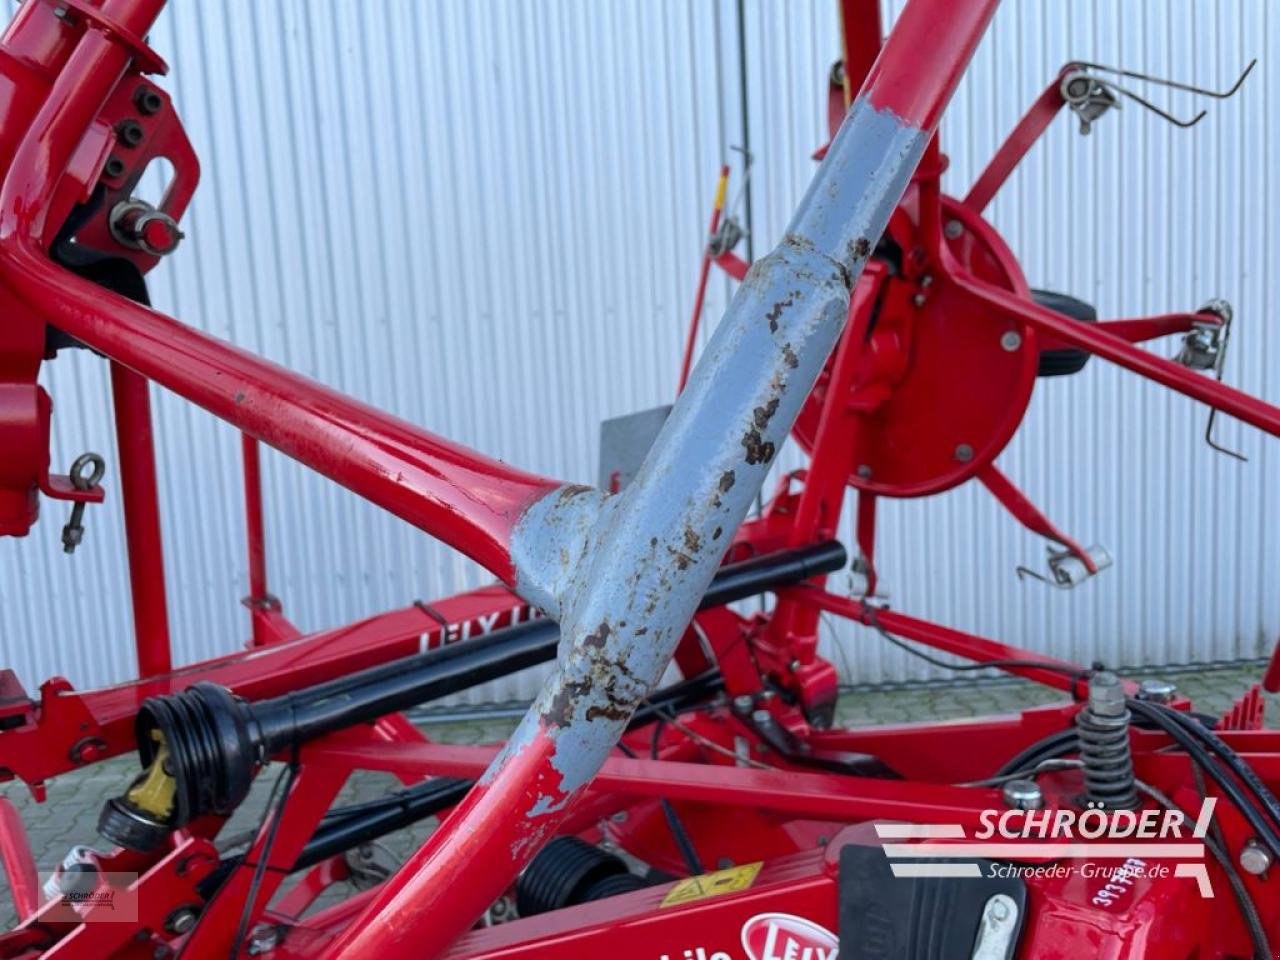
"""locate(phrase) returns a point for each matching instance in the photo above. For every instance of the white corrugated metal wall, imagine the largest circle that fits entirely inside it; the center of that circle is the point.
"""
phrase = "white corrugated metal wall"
(486, 218)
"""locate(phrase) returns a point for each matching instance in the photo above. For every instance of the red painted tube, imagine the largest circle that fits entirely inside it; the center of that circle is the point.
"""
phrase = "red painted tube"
(923, 57)
(254, 529)
(1064, 676)
(860, 35)
(1102, 343)
(19, 865)
(469, 501)
(705, 271)
(141, 498)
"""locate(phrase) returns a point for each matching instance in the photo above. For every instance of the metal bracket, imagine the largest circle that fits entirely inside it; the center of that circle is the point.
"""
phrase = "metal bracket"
(1090, 96)
(1067, 570)
(996, 929)
(1205, 348)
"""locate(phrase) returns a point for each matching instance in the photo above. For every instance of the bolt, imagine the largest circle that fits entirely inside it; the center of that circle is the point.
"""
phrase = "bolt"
(743, 703)
(161, 952)
(619, 817)
(1254, 858)
(919, 300)
(1157, 691)
(129, 132)
(1010, 340)
(1106, 695)
(864, 471)
(1023, 795)
(761, 718)
(952, 229)
(264, 938)
(181, 920)
(147, 100)
(114, 167)
(998, 908)
(964, 452)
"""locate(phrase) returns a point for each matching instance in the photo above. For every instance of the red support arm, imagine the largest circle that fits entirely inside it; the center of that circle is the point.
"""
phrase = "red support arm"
(466, 499)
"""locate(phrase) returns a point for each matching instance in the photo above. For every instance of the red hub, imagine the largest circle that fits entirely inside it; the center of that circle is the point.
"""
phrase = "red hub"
(944, 381)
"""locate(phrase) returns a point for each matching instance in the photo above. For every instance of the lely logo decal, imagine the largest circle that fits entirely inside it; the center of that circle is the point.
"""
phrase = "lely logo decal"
(782, 936)
(772, 936)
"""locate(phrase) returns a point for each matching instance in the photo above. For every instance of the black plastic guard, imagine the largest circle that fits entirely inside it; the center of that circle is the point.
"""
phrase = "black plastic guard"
(883, 917)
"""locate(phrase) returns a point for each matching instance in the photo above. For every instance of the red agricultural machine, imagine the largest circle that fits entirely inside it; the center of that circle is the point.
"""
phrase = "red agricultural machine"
(719, 817)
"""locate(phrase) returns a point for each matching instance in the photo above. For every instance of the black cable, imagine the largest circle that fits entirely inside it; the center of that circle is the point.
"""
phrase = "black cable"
(273, 813)
(1075, 673)
(1050, 748)
(1244, 773)
(681, 836)
(1217, 847)
(1200, 755)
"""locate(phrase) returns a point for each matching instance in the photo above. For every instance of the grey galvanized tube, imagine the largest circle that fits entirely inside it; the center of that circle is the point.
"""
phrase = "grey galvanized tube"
(624, 574)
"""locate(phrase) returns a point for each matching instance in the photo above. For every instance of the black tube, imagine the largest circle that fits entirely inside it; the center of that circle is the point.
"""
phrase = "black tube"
(341, 833)
(1200, 755)
(303, 715)
(215, 739)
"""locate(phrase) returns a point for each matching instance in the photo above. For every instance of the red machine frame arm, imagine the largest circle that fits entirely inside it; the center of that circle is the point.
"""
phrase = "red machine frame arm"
(469, 501)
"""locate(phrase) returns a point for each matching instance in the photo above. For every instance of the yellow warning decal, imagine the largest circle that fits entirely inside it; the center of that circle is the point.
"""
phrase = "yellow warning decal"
(714, 884)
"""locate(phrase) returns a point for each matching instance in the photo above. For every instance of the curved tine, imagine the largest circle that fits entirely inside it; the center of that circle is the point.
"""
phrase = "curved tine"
(1158, 111)
(1173, 84)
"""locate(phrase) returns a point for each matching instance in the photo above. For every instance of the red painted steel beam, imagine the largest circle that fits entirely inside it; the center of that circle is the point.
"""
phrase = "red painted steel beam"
(820, 796)
(861, 34)
(19, 865)
(464, 498)
(924, 56)
(140, 495)
(967, 645)
(1015, 147)
(255, 537)
(1088, 336)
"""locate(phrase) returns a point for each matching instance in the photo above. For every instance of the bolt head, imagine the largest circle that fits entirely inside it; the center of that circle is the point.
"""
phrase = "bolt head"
(964, 452)
(919, 300)
(147, 100)
(952, 229)
(999, 908)
(1022, 795)
(1010, 340)
(1255, 859)
(864, 471)
(181, 920)
(264, 938)
(743, 703)
(1106, 695)
(1157, 691)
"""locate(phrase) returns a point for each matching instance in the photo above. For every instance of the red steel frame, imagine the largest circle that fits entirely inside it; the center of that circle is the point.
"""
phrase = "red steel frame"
(65, 62)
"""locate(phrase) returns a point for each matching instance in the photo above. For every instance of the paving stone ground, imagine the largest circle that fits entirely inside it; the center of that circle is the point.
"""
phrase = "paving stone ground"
(71, 813)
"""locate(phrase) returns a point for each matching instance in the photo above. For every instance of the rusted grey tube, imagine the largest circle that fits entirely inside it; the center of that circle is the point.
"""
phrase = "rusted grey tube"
(623, 575)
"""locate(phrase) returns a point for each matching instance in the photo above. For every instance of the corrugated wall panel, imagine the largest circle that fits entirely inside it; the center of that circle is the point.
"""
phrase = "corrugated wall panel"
(486, 217)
